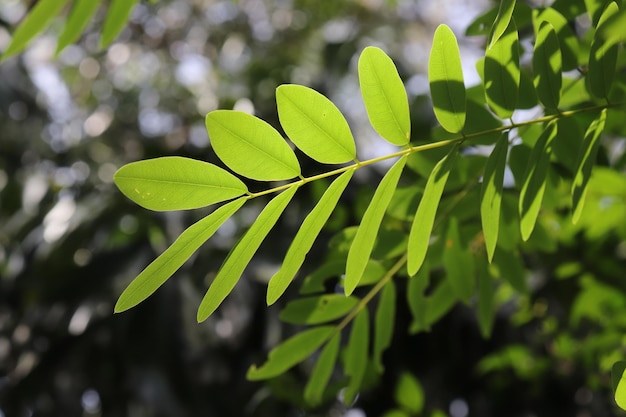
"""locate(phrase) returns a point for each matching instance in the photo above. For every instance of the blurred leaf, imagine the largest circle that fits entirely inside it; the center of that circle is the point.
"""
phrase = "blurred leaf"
(424, 220)
(306, 235)
(318, 309)
(314, 124)
(502, 73)
(409, 394)
(396, 413)
(384, 96)
(547, 66)
(602, 58)
(416, 298)
(242, 253)
(486, 299)
(442, 299)
(445, 76)
(511, 269)
(384, 323)
(618, 382)
(175, 256)
(117, 16)
(612, 29)
(250, 146)
(365, 237)
(176, 183)
(291, 352)
(458, 262)
(82, 13)
(502, 21)
(356, 355)
(322, 372)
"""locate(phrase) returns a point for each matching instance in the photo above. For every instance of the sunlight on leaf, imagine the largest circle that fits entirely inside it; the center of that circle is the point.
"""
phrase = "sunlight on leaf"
(547, 66)
(568, 41)
(322, 372)
(502, 73)
(602, 58)
(491, 194)
(502, 22)
(117, 17)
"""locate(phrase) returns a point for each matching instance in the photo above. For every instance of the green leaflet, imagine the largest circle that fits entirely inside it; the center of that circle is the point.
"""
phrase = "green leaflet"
(491, 194)
(384, 96)
(458, 262)
(82, 12)
(250, 146)
(439, 302)
(602, 58)
(612, 29)
(177, 254)
(445, 75)
(306, 235)
(424, 220)
(314, 124)
(416, 298)
(586, 160)
(547, 65)
(318, 309)
(291, 352)
(502, 22)
(384, 323)
(534, 181)
(36, 21)
(242, 253)
(117, 16)
(568, 41)
(322, 372)
(356, 355)
(409, 394)
(618, 382)
(486, 298)
(365, 238)
(176, 183)
(502, 73)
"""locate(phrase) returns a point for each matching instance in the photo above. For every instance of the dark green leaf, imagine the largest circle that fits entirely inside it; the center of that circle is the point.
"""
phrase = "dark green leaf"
(486, 299)
(117, 16)
(511, 269)
(416, 298)
(384, 323)
(356, 355)
(82, 12)
(602, 58)
(458, 262)
(322, 372)
(291, 352)
(547, 66)
(318, 309)
(502, 73)
(439, 302)
(568, 41)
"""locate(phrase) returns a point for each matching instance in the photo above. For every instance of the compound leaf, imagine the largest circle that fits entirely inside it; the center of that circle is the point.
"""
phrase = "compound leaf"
(82, 12)
(383, 323)
(445, 76)
(602, 58)
(363, 242)
(303, 241)
(547, 66)
(117, 16)
(356, 355)
(424, 220)
(502, 22)
(322, 372)
(177, 254)
(242, 253)
(502, 73)
(318, 309)
(458, 262)
(250, 146)
(384, 96)
(177, 183)
(315, 124)
(291, 352)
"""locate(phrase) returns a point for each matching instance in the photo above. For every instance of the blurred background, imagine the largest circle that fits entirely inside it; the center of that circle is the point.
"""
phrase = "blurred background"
(70, 242)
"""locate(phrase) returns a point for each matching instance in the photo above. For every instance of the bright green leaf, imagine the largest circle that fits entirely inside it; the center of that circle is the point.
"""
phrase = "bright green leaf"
(356, 355)
(594, 10)
(502, 22)
(322, 372)
(409, 393)
(586, 160)
(458, 262)
(384, 95)
(424, 220)
(491, 194)
(445, 74)
(612, 29)
(547, 66)
(291, 352)
(242, 253)
(318, 309)
(384, 323)
(176, 183)
(486, 295)
(250, 146)
(315, 124)
(82, 12)
(568, 41)
(534, 182)
(602, 58)
(502, 73)
(303, 241)
(117, 16)
(363, 242)
(37, 20)
(177, 254)
(618, 382)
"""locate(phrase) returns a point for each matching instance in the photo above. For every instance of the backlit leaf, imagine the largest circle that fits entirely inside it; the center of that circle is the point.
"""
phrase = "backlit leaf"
(458, 262)
(82, 12)
(612, 29)
(314, 124)
(602, 58)
(502, 73)
(37, 20)
(502, 22)
(318, 309)
(117, 16)
(176, 183)
(384, 96)
(491, 194)
(177, 254)
(291, 352)
(424, 220)
(356, 355)
(384, 323)
(365, 238)
(250, 146)
(303, 241)
(445, 75)
(534, 181)
(547, 66)
(618, 382)
(242, 253)
(322, 372)
(568, 41)
(586, 160)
